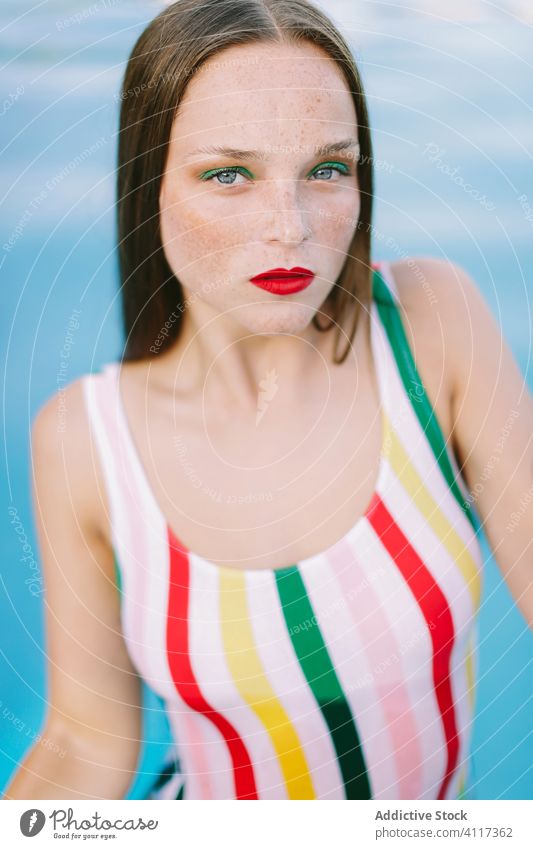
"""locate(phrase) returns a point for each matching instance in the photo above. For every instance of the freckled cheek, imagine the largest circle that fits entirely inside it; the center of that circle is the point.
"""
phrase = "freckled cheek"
(192, 237)
(336, 225)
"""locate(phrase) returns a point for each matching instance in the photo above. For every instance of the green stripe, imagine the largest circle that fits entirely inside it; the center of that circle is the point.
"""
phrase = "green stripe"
(318, 669)
(118, 578)
(421, 405)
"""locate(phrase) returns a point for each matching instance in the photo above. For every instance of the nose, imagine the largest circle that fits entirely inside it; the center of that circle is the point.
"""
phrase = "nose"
(284, 220)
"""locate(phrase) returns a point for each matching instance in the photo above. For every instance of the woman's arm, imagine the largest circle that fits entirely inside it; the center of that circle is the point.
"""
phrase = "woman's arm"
(93, 690)
(492, 413)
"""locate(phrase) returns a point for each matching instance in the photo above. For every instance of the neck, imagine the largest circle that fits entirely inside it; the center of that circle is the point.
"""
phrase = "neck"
(230, 369)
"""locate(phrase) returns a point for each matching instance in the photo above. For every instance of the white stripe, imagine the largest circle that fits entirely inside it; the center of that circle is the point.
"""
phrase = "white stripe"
(120, 516)
(386, 273)
(189, 726)
(151, 561)
(464, 712)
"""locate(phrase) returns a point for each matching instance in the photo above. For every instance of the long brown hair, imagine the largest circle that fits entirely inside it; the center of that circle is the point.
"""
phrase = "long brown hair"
(169, 51)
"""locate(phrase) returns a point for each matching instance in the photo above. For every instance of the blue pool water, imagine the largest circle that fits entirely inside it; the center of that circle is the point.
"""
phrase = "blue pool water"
(451, 110)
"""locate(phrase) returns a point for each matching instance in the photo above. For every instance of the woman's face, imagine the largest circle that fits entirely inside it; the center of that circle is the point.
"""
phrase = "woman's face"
(283, 204)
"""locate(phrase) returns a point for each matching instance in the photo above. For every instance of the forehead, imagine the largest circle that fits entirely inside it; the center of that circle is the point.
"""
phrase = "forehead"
(262, 89)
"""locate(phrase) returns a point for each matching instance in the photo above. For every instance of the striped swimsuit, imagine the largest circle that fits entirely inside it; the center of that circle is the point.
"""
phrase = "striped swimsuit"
(348, 675)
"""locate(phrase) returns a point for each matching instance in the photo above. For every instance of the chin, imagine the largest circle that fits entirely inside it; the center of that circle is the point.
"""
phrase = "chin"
(276, 317)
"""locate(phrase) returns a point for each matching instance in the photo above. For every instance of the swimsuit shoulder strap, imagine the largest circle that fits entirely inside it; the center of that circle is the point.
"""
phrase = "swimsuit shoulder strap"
(386, 298)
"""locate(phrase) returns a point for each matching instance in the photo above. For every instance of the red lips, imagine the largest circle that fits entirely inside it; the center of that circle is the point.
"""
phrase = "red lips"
(284, 273)
(284, 281)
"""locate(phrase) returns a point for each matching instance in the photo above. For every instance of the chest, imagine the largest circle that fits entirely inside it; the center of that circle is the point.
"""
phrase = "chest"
(267, 495)
(273, 486)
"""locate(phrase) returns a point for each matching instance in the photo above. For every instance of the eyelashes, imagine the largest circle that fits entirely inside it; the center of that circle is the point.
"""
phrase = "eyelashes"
(332, 166)
(217, 172)
(233, 170)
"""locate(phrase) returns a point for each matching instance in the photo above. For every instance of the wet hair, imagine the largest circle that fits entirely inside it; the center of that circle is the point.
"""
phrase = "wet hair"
(171, 49)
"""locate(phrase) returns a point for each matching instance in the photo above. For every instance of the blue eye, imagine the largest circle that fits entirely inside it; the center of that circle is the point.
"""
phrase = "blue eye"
(218, 172)
(331, 167)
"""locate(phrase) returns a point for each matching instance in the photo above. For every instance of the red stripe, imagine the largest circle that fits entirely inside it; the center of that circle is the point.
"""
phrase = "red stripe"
(436, 611)
(182, 673)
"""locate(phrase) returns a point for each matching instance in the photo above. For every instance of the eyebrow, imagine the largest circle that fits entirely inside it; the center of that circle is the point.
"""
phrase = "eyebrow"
(233, 153)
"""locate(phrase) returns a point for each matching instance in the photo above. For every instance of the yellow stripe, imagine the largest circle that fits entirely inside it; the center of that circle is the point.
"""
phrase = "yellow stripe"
(429, 508)
(462, 780)
(469, 661)
(251, 681)
(470, 682)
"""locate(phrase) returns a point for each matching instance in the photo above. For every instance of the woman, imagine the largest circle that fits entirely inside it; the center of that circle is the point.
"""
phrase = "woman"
(196, 516)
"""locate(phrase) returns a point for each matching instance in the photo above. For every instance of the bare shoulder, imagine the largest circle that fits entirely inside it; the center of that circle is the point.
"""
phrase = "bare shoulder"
(63, 454)
(440, 281)
(440, 305)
